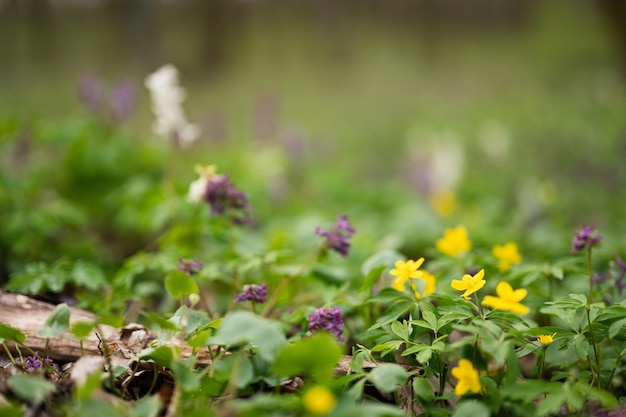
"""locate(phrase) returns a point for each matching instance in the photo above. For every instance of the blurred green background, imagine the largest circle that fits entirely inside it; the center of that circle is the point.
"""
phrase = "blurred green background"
(370, 108)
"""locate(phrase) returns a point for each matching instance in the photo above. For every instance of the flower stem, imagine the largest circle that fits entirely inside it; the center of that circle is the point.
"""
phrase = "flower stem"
(590, 269)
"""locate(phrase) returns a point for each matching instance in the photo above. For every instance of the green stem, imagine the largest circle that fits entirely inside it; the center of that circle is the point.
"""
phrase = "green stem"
(6, 348)
(595, 347)
(590, 270)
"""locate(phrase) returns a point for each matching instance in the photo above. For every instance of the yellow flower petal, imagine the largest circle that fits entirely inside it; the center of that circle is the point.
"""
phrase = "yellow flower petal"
(319, 400)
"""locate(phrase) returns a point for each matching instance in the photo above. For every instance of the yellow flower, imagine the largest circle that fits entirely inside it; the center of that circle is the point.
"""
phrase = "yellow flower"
(454, 242)
(404, 271)
(467, 378)
(546, 339)
(428, 287)
(470, 284)
(319, 400)
(507, 299)
(444, 202)
(507, 254)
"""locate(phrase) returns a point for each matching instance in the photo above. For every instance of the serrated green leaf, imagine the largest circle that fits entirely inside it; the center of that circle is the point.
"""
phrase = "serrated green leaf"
(616, 328)
(88, 275)
(580, 298)
(178, 284)
(57, 322)
(386, 377)
(431, 319)
(400, 329)
(581, 344)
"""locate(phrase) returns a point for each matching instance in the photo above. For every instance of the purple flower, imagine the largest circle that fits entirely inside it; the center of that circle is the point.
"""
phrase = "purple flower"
(619, 282)
(585, 238)
(329, 319)
(338, 237)
(223, 197)
(254, 293)
(32, 363)
(90, 92)
(123, 100)
(189, 266)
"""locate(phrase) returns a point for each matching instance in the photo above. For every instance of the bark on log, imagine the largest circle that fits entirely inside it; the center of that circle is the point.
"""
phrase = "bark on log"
(28, 316)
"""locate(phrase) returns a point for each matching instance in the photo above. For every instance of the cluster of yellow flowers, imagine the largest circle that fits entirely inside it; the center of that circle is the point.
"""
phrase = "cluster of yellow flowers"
(455, 242)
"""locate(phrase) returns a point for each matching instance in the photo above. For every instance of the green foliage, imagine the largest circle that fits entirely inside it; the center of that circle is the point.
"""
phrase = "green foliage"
(57, 322)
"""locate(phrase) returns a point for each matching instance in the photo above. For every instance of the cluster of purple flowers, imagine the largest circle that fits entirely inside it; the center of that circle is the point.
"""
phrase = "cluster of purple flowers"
(254, 293)
(338, 237)
(190, 267)
(118, 106)
(223, 198)
(329, 319)
(32, 363)
(585, 238)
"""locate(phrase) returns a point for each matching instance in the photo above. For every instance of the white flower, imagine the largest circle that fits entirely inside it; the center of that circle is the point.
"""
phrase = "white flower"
(197, 188)
(167, 97)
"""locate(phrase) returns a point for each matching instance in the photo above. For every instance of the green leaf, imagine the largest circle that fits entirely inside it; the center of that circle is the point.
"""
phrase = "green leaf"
(423, 391)
(148, 406)
(581, 298)
(161, 321)
(162, 355)
(471, 408)
(10, 333)
(386, 377)
(383, 258)
(400, 329)
(581, 344)
(84, 390)
(398, 309)
(82, 329)
(616, 328)
(236, 369)
(88, 275)
(371, 278)
(57, 322)
(315, 356)
(185, 376)
(178, 284)
(431, 319)
(243, 327)
(31, 388)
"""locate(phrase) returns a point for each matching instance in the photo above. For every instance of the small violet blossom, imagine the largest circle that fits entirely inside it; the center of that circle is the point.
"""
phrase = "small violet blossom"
(585, 238)
(329, 319)
(189, 267)
(254, 293)
(32, 363)
(338, 237)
